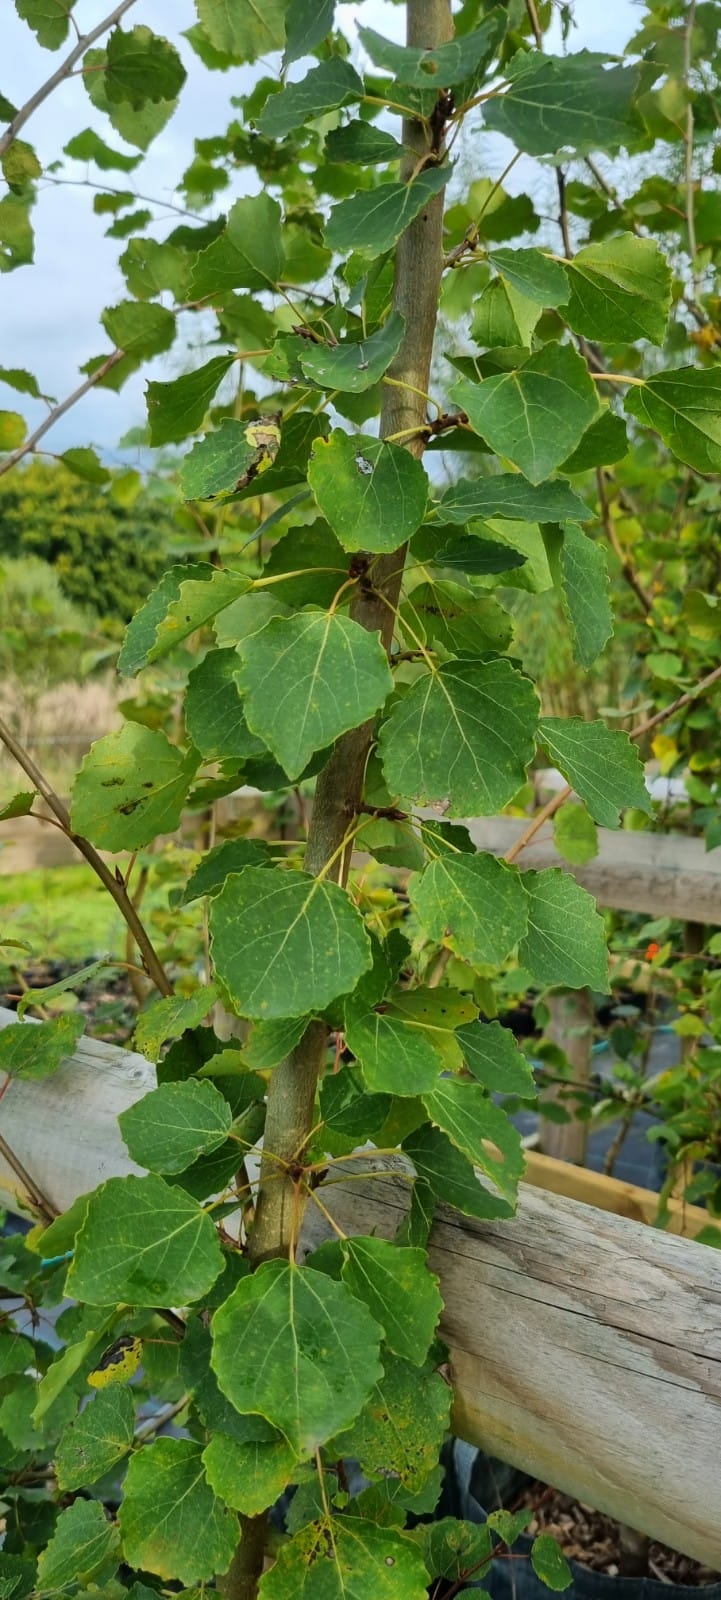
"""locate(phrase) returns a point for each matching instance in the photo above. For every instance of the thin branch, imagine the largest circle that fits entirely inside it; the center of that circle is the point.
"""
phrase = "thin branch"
(40, 1201)
(607, 523)
(688, 137)
(108, 188)
(57, 77)
(59, 410)
(113, 884)
(554, 805)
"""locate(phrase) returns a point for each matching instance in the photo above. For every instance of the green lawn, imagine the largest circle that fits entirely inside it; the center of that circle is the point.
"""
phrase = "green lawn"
(61, 913)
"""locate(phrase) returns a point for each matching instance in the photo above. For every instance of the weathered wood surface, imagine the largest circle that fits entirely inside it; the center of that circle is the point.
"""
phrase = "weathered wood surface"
(586, 1348)
(611, 1194)
(662, 874)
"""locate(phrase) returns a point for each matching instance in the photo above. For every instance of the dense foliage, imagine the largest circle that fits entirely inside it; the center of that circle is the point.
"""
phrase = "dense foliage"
(354, 630)
(108, 543)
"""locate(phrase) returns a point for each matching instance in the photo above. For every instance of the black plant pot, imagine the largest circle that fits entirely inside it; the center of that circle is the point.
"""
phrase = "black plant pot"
(476, 1484)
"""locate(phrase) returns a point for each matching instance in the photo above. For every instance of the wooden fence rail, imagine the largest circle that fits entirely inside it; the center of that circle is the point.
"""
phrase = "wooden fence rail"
(585, 1347)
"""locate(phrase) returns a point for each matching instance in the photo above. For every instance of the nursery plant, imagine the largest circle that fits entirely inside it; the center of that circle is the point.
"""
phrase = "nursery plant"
(360, 642)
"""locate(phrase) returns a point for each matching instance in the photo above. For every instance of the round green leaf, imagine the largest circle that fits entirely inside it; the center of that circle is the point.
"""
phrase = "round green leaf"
(399, 1291)
(170, 1521)
(83, 1547)
(373, 494)
(297, 1347)
(101, 1435)
(511, 410)
(347, 1558)
(173, 1125)
(602, 765)
(285, 944)
(144, 1243)
(480, 1129)
(131, 786)
(309, 678)
(465, 734)
(566, 941)
(475, 904)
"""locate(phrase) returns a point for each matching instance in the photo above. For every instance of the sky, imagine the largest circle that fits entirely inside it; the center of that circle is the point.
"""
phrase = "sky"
(49, 312)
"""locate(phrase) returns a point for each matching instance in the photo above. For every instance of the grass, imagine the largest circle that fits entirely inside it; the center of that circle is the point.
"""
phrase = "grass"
(62, 913)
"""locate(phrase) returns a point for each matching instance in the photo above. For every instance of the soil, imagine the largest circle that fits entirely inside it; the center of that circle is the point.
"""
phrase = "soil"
(595, 1541)
(106, 1002)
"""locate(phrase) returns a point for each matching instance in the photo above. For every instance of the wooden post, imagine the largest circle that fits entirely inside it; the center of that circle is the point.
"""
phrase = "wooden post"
(571, 1028)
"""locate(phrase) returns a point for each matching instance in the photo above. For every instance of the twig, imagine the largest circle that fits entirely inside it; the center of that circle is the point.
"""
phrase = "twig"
(160, 1421)
(114, 886)
(57, 77)
(554, 805)
(59, 410)
(42, 1204)
(607, 523)
(688, 137)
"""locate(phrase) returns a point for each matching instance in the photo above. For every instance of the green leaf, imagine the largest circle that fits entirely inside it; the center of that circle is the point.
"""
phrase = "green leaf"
(464, 734)
(399, 1291)
(101, 1435)
(216, 462)
(492, 1055)
(132, 785)
(214, 717)
(354, 367)
(346, 1557)
(20, 164)
(566, 941)
(86, 465)
(248, 254)
(401, 1428)
(307, 679)
(603, 443)
(397, 1054)
(374, 220)
(140, 636)
(450, 1175)
(361, 144)
(450, 615)
(17, 240)
(480, 1130)
(211, 873)
(173, 1125)
(138, 126)
(620, 289)
(243, 29)
(145, 1243)
(138, 328)
(600, 763)
(297, 1347)
(88, 146)
(331, 84)
(585, 594)
(549, 1562)
(533, 274)
(83, 1545)
(285, 944)
(249, 1473)
(21, 380)
(474, 904)
(684, 406)
(307, 23)
(150, 267)
(16, 1354)
(49, 21)
(20, 806)
(170, 1521)
(13, 428)
(51, 991)
(177, 408)
(373, 494)
(574, 834)
(576, 102)
(504, 318)
(446, 64)
(511, 410)
(454, 1549)
(511, 496)
(36, 1050)
(476, 556)
(140, 67)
